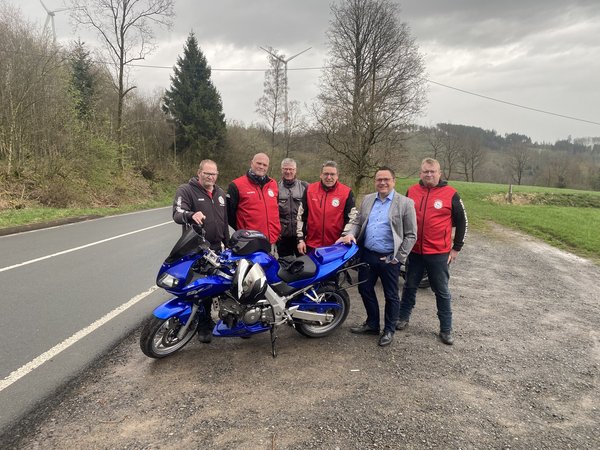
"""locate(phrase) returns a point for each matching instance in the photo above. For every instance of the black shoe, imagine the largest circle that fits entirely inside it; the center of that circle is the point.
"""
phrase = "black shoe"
(205, 336)
(205, 329)
(386, 338)
(401, 324)
(447, 337)
(363, 329)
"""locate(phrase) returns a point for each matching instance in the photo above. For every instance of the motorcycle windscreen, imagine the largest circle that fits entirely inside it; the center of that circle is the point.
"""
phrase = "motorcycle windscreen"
(188, 244)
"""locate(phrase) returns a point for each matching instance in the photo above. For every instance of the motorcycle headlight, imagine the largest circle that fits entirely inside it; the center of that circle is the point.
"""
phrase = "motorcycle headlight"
(167, 281)
(253, 285)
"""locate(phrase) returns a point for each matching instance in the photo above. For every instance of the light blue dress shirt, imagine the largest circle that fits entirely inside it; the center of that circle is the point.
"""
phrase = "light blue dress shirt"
(378, 234)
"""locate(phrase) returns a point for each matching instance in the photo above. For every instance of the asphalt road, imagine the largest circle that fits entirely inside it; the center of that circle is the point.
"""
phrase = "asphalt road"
(71, 293)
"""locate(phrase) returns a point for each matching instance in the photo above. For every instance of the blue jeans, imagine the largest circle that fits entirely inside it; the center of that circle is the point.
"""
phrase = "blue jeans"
(389, 274)
(437, 271)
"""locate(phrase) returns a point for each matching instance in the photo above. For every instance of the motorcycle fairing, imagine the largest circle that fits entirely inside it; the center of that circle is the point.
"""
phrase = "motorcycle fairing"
(240, 329)
(176, 308)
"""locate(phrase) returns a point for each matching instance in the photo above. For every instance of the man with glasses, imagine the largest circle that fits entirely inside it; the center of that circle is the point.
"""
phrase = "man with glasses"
(439, 209)
(202, 202)
(291, 190)
(386, 230)
(326, 208)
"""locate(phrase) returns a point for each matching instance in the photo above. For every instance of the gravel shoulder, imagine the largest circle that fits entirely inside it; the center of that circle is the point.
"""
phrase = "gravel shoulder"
(524, 373)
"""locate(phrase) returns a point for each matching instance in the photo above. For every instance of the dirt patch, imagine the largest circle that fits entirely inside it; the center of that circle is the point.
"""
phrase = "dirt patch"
(584, 200)
(524, 373)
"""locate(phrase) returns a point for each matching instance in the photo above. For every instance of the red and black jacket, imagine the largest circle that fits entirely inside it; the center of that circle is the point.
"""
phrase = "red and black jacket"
(324, 213)
(253, 205)
(438, 208)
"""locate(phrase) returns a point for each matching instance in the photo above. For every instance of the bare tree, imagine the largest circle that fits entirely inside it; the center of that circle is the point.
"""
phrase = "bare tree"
(435, 137)
(33, 111)
(518, 161)
(373, 85)
(452, 144)
(270, 106)
(471, 156)
(125, 28)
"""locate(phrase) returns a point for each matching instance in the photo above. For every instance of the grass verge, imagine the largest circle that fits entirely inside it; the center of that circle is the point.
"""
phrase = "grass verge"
(567, 219)
(28, 216)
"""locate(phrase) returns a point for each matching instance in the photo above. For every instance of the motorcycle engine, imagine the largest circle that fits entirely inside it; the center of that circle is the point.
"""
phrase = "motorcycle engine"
(231, 312)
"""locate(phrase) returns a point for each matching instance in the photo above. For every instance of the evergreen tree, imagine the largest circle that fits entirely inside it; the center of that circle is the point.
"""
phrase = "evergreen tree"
(194, 104)
(83, 81)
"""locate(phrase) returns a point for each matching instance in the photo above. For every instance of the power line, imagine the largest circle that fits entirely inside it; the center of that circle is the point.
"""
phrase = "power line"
(513, 104)
(564, 116)
(464, 91)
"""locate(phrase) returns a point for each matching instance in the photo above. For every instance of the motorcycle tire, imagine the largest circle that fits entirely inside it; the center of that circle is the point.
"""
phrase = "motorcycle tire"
(317, 330)
(159, 336)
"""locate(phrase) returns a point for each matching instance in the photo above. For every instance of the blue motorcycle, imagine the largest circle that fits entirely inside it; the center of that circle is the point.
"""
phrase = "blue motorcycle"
(252, 291)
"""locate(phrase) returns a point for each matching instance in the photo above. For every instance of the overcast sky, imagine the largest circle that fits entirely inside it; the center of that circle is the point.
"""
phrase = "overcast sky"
(540, 54)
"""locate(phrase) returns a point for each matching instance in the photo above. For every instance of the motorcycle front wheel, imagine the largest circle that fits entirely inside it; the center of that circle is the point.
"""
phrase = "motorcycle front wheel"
(319, 329)
(159, 336)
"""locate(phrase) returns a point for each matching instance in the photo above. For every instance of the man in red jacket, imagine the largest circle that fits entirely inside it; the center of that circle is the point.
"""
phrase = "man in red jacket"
(327, 206)
(252, 200)
(439, 209)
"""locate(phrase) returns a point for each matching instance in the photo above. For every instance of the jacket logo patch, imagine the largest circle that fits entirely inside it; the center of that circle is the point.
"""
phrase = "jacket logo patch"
(200, 199)
(271, 193)
(438, 204)
(221, 200)
(251, 192)
(335, 202)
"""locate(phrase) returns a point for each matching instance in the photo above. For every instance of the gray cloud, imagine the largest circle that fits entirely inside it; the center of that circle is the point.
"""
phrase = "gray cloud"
(541, 53)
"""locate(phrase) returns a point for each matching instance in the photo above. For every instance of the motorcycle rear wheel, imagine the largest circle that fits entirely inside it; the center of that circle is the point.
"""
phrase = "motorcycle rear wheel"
(317, 329)
(159, 336)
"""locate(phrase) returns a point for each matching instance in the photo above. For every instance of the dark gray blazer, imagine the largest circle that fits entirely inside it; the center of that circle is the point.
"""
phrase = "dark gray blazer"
(403, 220)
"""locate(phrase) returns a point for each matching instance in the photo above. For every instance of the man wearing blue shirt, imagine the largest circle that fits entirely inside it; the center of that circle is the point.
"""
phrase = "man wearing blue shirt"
(386, 230)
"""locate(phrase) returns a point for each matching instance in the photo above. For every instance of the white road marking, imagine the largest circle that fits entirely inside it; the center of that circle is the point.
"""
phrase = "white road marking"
(31, 261)
(35, 363)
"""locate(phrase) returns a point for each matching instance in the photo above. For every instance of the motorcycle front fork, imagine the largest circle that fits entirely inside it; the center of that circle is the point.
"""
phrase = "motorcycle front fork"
(183, 331)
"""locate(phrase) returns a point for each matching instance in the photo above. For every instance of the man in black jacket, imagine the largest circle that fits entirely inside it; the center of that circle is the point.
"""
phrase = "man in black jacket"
(201, 201)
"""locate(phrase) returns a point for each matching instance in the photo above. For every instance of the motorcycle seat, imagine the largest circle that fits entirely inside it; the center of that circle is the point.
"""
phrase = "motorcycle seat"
(299, 269)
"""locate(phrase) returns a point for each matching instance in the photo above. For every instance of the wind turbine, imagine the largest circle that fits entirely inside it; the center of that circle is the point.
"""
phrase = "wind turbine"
(50, 18)
(286, 125)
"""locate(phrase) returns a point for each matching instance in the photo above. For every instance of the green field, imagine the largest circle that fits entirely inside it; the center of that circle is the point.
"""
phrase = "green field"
(567, 219)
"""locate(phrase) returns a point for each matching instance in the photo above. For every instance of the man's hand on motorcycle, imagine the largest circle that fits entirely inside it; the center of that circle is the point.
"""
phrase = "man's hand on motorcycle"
(346, 239)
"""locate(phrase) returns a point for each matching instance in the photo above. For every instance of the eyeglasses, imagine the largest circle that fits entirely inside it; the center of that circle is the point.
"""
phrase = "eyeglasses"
(428, 172)
(210, 174)
(383, 180)
(329, 174)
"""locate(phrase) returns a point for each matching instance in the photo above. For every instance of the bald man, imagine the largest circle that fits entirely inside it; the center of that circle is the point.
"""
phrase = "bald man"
(252, 202)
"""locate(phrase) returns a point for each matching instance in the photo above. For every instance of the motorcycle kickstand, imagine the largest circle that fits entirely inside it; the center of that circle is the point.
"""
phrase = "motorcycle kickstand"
(273, 339)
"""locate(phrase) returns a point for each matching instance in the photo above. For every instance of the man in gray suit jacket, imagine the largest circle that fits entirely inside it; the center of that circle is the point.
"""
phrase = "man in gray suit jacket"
(386, 230)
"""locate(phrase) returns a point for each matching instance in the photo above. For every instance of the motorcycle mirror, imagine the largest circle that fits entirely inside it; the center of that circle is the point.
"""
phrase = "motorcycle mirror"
(201, 232)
